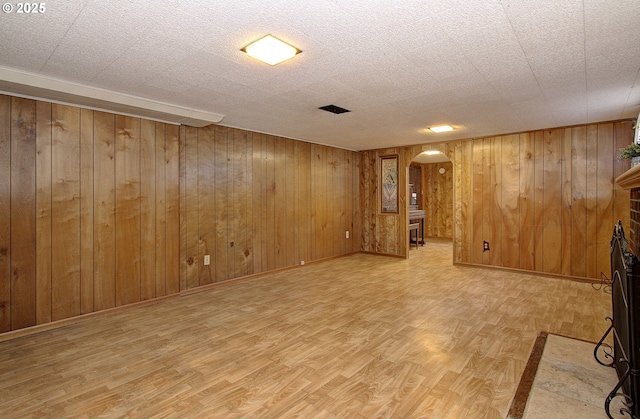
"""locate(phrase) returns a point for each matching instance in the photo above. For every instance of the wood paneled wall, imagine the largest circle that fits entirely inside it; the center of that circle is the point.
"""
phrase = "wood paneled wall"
(257, 202)
(100, 210)
(545, 200)
(437, 199)
(89, 211)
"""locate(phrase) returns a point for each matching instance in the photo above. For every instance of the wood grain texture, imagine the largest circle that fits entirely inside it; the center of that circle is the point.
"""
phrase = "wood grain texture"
(104, 221)
(23, 215)
(527, 202)
(604, 207)
(510, 172)
(567, 186)
(5, 213)
(206, 205)
(497, 208)
(591, 202)
(578, 201)
(43, 212)
(65, 207)
(264, 189)
(127, 215)
(332, 339)
(239, 214)
(147, 209)
(221, 204)
(191, 239)
(549, 195)
(478, 193)
(621, 197)
(258, 195)
(70, 232)
(552, 202)
(86, 211)
(172, 185)
(160, 208)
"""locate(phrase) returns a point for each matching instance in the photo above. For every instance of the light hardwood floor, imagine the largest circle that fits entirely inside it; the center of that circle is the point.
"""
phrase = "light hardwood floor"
(361, 336)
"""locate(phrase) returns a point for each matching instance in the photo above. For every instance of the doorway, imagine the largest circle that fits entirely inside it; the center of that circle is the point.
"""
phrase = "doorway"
(431, 195)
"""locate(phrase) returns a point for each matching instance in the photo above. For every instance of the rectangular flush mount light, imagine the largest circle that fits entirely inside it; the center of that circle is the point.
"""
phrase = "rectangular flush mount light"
(271, 50)
(442, 128)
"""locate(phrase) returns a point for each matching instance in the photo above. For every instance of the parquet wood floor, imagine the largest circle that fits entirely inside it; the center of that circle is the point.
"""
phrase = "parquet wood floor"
(361, 336)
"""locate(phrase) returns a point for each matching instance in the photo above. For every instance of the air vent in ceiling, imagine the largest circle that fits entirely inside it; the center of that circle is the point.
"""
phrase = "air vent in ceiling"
(334, 109)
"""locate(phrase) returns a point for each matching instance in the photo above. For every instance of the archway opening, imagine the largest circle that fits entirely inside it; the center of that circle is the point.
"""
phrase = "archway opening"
(430, 199)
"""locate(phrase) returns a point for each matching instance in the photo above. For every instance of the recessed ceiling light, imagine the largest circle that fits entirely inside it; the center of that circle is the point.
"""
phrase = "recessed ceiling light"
(431, 152)
(271, 50)
(442, 128)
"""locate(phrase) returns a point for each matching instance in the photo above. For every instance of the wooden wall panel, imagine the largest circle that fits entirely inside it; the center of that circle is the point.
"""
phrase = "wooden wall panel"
(65, 208)
(621, 197)
(206, 204)
(5, 213)
(267, 191)
(147, 210)
(192, 259)
(160, 206)
(496, 215)
(23, 216)
(538, 199)
(552, 202)
(86, 210)
(544, 200)
(604, 206)
(43, 212)
(591, 201)
(578, 201)
(436, 192)
(247, 254)
(258, 195)
(526, 197)
(270, 200)
(280, 220)
(478, 194)
(104, 222)
(221, 193)
(239, 214)
(567, 184)
(172, 195)
(510, 172)
(89, 206)
(303, 194)
(291, 207)
(463, 214)
(127, 175)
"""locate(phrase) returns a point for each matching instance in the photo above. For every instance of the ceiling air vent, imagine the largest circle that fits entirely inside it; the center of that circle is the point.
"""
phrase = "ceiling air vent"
(334, 109)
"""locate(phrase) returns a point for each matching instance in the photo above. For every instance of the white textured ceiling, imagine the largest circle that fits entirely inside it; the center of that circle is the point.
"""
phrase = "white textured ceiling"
(484, 66)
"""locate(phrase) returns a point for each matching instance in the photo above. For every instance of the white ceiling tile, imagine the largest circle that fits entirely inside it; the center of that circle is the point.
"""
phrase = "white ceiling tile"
(489, 67)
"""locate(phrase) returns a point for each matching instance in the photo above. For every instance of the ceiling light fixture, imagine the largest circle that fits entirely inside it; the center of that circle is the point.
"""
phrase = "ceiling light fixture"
(271, 50)
(442, 128)
(431, 152)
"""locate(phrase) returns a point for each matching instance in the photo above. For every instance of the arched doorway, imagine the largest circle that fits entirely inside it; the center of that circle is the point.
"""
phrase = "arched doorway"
(430, 179)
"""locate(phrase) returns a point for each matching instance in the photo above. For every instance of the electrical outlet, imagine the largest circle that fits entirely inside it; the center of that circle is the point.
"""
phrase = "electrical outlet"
(347, 234)
(207, 259)
(485, 246)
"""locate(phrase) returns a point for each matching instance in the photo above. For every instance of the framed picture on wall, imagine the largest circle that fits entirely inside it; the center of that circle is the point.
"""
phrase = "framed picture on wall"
(389, 184)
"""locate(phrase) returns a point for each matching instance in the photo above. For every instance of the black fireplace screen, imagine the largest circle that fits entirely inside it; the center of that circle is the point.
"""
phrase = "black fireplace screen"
(624, 356)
